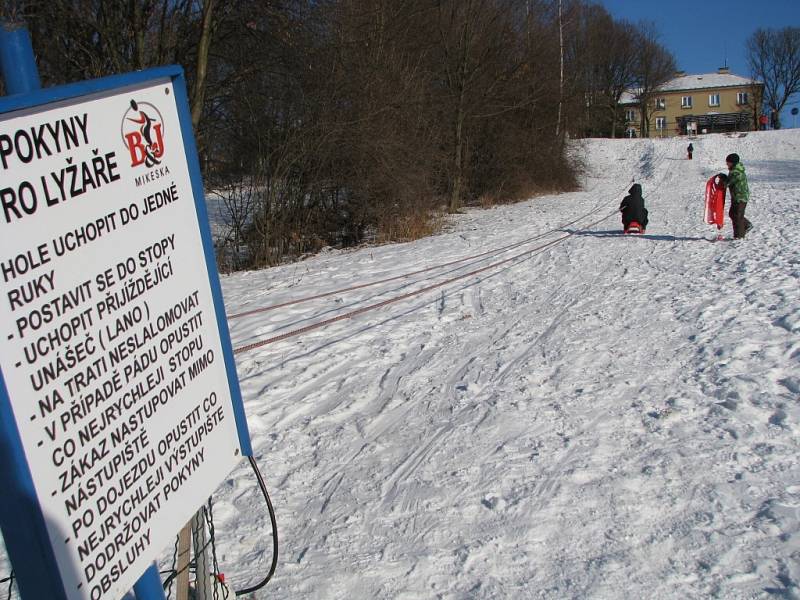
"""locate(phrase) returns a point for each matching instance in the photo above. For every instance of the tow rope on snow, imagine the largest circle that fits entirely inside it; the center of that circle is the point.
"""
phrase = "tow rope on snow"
(353, 313)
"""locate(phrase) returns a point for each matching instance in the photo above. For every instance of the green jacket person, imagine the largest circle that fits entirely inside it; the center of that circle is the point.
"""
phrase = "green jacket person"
(740, 194)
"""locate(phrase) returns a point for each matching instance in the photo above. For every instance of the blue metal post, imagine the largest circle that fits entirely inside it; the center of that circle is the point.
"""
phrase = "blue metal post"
(149, 586)
(21, 75)
(17, 63)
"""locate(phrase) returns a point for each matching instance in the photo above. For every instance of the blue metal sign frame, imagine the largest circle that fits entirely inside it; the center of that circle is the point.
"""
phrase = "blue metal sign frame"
(21, 518)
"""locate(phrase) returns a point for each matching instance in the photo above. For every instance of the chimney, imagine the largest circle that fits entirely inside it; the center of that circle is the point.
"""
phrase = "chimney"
(723, 70)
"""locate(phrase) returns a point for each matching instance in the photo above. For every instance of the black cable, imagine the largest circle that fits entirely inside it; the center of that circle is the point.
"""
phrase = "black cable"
(274, 523)
(172, 571)
(272, 568)
(191, 565)
(215, 564)
(10, 580)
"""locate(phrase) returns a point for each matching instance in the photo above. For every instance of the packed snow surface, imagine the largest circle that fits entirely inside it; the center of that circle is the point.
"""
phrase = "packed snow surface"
(608, 416)
(596, 416)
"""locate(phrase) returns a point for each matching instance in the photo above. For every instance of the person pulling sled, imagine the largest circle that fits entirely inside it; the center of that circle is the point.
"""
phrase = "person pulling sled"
(634, 214)
(736, 182)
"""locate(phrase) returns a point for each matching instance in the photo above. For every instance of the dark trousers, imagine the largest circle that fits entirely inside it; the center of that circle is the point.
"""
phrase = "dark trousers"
(740, 224)
(690, 156)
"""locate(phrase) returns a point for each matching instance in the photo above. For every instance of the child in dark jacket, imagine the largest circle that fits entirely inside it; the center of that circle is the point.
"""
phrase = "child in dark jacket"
(632, 208)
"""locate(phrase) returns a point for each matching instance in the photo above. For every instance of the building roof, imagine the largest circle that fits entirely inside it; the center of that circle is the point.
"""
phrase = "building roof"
(705, 81)
(693, 82)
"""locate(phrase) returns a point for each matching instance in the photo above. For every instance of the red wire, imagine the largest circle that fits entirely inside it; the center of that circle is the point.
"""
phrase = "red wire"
(396, 277)
(364, 309)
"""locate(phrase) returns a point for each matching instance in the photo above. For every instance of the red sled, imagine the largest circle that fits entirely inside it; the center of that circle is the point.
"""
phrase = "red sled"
(634, 227)
(715, 203)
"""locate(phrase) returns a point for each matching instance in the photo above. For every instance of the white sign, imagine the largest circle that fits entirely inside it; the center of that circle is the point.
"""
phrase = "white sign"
(110, 351)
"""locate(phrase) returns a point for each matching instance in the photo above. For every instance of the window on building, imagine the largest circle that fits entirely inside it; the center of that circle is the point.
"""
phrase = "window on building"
(630, 116)
(686, 102)
(713, 99)
(741, 98)
(631, 133)
(661, 123)
(661, 103)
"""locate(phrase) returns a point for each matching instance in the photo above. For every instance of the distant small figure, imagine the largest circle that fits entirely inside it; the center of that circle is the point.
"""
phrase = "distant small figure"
(762, 121)
(736, 182)
(633, 211)
(689, 150)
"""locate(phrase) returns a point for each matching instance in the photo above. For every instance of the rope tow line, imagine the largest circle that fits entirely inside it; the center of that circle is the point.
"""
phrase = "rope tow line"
(377, 305)
(396, 277)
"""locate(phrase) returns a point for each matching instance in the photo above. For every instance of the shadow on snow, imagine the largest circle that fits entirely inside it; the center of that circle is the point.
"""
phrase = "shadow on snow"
(647, 236)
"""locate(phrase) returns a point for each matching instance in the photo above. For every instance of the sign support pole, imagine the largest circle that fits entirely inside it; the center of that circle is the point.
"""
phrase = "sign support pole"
(17, 63)
(200, 555)
(149, 585)
(20, 74)
(184, 550)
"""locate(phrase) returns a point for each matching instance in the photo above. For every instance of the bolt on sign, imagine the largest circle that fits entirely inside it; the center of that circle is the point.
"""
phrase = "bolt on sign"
(119, 403)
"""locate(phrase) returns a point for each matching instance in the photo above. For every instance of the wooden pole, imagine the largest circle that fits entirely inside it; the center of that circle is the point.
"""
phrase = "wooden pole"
(202, 581)
(184, 551)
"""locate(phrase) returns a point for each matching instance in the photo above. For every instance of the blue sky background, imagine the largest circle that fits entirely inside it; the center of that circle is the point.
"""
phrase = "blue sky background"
(701, 33)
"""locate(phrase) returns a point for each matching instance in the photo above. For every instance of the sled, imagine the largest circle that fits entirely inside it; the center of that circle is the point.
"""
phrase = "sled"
(715, 203)
(634, 227)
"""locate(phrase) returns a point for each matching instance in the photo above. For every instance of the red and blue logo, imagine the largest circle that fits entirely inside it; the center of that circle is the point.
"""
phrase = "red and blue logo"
(143, 134)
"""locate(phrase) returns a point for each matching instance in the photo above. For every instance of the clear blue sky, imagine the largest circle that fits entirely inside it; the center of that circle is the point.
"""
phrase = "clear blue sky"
(702, 33)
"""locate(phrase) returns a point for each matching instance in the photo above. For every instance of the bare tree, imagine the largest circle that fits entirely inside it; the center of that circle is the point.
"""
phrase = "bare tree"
(331, 122)
(774, 58)
(560, 65)
(199, 88)
(232, 209)
(603, 59)
(85, 39)
(617, 59)
(757, 104)
(471, 39)
(654, 66)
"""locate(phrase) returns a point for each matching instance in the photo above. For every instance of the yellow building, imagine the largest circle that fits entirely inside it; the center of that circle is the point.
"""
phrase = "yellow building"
(693, 104)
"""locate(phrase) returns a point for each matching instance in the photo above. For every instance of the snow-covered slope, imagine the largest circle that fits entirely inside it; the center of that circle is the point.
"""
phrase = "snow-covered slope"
(602, 416)
(607, 417)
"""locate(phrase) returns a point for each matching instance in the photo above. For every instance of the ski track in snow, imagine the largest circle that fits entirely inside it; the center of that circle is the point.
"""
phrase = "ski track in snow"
(609, 417)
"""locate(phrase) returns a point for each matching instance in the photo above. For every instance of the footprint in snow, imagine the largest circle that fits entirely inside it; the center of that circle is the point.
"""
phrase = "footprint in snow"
(492, 501)
(791, 383)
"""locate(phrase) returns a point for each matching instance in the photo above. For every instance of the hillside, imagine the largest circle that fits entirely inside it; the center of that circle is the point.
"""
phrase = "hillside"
(531, 404)
(607, 416)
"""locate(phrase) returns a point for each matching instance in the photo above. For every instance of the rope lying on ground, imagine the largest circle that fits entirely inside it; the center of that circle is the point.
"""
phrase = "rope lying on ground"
(404, 275)
(364, 309)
